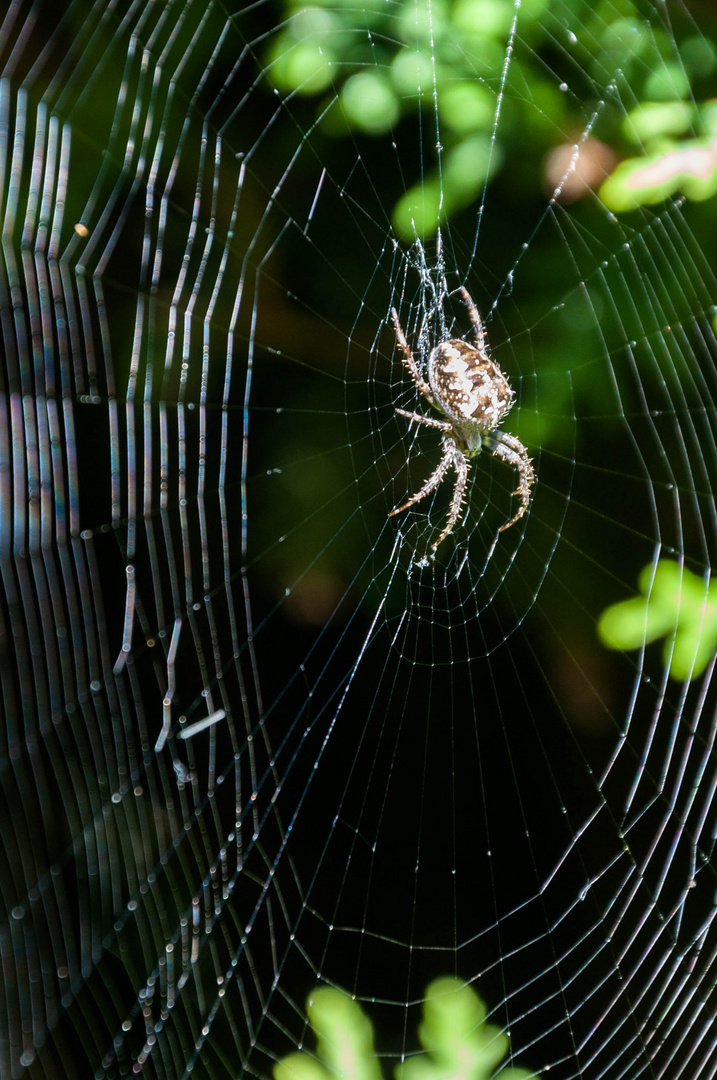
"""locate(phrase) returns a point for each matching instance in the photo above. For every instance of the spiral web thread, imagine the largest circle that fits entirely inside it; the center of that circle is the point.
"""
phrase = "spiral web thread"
(255, 739)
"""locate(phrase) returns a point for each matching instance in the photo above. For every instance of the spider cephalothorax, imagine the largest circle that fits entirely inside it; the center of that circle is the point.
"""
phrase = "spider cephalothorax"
(473, 395)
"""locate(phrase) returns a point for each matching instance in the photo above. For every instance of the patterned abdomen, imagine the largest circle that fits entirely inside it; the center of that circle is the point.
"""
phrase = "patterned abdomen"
(467, 385)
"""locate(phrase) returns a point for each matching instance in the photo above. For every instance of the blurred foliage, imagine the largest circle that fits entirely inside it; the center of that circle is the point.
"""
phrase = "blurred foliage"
(457, 1041)
(582, 330)
(668, 163)
(446, 62)
(676, 605)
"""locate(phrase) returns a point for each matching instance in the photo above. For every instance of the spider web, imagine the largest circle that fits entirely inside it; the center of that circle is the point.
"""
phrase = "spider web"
(256, 737)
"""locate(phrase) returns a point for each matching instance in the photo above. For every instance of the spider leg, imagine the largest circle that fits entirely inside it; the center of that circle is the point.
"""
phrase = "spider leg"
(408, 360)
(476, 320)
(510, 449)
(461, 465)
(442, 425)
(449, 448)
(452, 459)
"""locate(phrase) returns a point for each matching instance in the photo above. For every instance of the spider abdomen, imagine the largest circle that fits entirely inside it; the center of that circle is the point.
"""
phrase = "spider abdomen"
(467, 385)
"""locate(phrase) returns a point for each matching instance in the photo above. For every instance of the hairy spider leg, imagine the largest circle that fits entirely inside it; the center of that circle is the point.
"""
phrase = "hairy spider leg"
(452, 459)
(461, 465)
(511, 450)
(434, 479)
(476, 320)
(442, 425)
(409, 361)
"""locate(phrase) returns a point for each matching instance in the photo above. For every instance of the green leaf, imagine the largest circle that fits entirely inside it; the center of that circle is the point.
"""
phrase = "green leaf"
(668, 82)
(656, 119)
(299, 1067)
(412, 72)
(699, 56)
(675, 604)
(419, 20)
(344, 1042)
(490, 17)
(369, 102)
(690, 166)
(466, 106)
(455, 1035)
(458, 1043)
(418, 211)
(300, 66)
(344, 1035)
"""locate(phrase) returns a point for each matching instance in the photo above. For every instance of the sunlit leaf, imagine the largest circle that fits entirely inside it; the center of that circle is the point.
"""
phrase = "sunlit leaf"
(675, 604)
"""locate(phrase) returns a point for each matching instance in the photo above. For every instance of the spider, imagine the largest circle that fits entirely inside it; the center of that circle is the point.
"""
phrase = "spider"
(473, 395)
